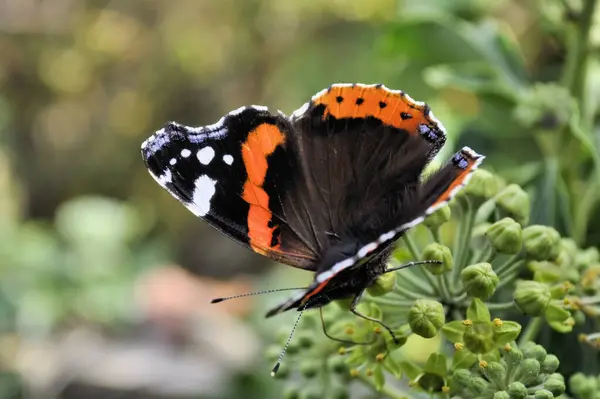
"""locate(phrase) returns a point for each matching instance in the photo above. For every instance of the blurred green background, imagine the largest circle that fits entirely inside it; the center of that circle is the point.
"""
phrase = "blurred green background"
(105, 279)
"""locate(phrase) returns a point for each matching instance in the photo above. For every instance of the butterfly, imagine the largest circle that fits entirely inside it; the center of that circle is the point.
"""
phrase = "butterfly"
(328, 189)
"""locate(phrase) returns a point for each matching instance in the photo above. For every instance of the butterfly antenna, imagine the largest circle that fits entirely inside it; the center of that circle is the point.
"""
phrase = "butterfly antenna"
(217, 300)
(282, 354)
(409, 264)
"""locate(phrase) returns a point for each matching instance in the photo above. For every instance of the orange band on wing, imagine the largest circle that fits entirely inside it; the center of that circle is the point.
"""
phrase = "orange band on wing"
(393, 108)
(260, 143)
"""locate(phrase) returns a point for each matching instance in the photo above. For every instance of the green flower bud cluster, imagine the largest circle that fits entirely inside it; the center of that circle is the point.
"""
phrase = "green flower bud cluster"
(490, 264)
(585, 387)
(545, 107)
(478, 334)
(511, 372)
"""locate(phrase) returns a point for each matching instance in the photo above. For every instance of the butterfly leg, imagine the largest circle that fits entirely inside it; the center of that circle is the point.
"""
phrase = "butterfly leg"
(343, 341)
(357, 313)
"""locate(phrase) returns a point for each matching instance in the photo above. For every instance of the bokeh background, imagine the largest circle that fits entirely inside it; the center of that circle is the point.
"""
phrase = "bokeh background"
(105, 279)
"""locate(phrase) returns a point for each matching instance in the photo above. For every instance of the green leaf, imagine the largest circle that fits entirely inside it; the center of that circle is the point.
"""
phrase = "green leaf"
(436, 364)
(379, 377)
(391, 365)
(478, 312)
(454, 331)
(507, 332)
(463, 359)
(411, 370)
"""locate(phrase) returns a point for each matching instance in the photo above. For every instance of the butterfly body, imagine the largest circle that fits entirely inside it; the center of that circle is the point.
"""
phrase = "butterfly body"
(328, 189)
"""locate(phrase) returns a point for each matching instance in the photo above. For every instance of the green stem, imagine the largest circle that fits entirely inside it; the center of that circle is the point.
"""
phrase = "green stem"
(412, 247)
(397, 303)
(418, 286)
(531, 331)
(407, 293)
(445, 290)
(461, 244)
(575, 73)
(510, 262)
(386, 390)
(416, 254)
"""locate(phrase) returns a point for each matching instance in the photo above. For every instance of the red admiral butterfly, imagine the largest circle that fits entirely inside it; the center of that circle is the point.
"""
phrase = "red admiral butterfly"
(328, 189)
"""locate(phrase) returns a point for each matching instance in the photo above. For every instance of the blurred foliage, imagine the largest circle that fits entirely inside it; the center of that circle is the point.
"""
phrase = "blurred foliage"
(83, 82)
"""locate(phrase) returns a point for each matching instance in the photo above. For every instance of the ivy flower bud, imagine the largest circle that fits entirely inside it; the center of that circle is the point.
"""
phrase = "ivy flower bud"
(541, 242)
(543, 394)
(532, 297)
(291, 392)
(528, 371)
(517, 390)
(435, 251)
(501, 395)
(513, 357)
(384, 283)
(555, 385)
(462, 377)
(585, 258)
(438, 218)
(483, 185)
(550, 364)
(534, 351)
(514, 202)
(496, 373)
(505, 236)
(478, 385)
(479, 280)
(426, 317)
(309, 368)
(582, 386)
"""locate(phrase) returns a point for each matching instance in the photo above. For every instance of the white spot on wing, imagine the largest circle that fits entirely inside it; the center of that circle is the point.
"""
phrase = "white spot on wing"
(172, 161)
(185, 153)
(203, 192)
(228, 159)
(205, 155)
(364, 251)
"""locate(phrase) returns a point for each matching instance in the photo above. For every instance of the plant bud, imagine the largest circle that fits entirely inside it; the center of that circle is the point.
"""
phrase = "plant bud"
(541, 242)
(556, 386)
(585, 258)
(501, 395)
(536, 352)
(506, 236)
(532, 297)
(517, 390)
(438, 218)
(309, 368)
(478, 385)
(462, 377)
(291, 392)
(483, 186)
(426, 317)
(543, 394)
(479, 280)
(528, 371)
(435, 251)
(496, 373)
(514, 202)
(384, 283)
(582, 386)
